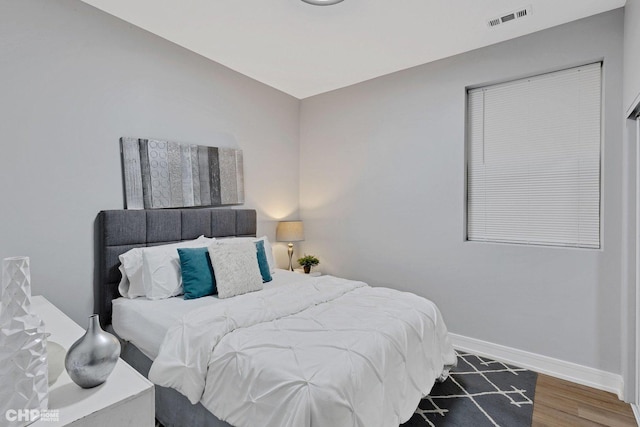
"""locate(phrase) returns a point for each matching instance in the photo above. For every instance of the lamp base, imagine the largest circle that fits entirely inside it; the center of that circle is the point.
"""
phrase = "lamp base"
(291, 256)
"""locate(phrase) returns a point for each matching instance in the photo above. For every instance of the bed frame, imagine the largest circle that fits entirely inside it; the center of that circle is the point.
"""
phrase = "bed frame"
(121, 230)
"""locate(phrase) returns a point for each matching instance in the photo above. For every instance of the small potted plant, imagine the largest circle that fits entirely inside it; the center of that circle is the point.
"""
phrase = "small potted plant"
(307, 262)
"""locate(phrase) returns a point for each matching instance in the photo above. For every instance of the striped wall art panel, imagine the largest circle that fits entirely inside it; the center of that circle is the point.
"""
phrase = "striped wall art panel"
(163, 174)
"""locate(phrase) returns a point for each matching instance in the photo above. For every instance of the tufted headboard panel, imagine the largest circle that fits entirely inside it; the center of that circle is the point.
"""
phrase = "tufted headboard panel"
(121, 230)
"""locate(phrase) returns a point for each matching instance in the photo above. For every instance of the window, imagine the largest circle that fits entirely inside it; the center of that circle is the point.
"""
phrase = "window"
(533, 160)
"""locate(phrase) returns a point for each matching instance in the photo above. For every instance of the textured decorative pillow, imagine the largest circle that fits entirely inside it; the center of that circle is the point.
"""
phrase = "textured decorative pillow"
(268, 250)
(263, 264)
(197, 274)
(131, 265)
(235, 268)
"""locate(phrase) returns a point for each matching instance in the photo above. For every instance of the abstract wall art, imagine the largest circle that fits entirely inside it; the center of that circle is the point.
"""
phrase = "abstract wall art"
(163, 174)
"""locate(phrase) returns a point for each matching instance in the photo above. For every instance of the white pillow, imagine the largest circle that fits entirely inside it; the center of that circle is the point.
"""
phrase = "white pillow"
(236, 268)
(161, 272)
(267, 247)
(131, 266)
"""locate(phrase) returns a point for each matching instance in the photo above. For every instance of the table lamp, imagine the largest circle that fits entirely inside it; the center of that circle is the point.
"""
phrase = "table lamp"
(290, 231)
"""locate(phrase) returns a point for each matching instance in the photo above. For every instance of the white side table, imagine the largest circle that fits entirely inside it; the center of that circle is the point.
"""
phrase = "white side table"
(125, 399)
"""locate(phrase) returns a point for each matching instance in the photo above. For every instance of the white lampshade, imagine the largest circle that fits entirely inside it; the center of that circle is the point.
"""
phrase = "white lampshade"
(290, 231)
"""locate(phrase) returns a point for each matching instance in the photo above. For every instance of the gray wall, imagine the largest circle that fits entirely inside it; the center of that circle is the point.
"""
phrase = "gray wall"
(382, 196)
(381, 168)
(631, 53)
(73, 80)
(631, 90)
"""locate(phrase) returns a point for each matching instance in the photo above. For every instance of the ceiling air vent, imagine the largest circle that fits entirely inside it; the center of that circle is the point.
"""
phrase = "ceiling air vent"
(517, 14)
(508, 17)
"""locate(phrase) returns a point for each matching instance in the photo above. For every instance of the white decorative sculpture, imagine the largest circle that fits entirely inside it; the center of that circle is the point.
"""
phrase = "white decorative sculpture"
(23, 345)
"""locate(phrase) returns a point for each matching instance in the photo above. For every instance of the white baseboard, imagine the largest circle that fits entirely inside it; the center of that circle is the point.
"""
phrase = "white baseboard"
(569, 371)
(636, 412)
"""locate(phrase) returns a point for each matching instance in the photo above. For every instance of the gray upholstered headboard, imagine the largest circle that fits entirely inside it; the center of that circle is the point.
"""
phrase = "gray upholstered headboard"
(121, 230)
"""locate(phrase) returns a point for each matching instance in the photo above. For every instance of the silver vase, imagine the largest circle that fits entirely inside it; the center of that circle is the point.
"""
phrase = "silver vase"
(23, 347)
(91, 359)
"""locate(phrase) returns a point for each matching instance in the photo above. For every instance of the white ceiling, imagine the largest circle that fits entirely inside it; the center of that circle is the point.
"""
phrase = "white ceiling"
(305, 50)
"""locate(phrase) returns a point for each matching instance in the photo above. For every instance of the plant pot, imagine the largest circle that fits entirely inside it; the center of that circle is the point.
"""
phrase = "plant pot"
(307, 269)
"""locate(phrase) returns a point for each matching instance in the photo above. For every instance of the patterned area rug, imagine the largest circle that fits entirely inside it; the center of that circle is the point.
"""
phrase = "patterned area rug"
(479, 392)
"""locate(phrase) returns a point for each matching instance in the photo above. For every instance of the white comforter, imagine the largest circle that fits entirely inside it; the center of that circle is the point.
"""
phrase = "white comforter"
(331, 352)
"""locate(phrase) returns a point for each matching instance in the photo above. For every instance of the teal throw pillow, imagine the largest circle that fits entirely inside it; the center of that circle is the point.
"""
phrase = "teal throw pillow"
(198, 279)
(262, 262)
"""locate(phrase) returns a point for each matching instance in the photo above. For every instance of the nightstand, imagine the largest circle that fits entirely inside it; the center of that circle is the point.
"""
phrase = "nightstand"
(312, 274)
(125, 399)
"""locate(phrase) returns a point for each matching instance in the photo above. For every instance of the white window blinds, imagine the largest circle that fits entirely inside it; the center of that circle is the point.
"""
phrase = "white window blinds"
(533, 160)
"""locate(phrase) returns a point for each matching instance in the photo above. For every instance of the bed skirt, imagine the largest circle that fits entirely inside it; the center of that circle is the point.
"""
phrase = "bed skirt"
(172, 408)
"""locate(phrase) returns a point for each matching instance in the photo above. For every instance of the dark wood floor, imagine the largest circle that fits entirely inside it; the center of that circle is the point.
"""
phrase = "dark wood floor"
(561, 403)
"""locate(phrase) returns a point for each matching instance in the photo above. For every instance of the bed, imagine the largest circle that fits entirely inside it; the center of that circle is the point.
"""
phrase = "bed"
(293, 354)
